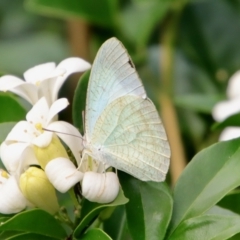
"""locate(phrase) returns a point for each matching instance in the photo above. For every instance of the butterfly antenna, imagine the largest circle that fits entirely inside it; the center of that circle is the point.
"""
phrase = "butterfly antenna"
(73, 135)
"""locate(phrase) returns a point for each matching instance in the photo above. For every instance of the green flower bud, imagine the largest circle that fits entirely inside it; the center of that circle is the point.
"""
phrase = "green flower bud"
(54, 150)
(36, 187)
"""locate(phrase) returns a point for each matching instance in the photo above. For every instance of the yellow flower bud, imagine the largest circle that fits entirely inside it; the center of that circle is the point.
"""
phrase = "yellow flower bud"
(36, 187)
(54, 150)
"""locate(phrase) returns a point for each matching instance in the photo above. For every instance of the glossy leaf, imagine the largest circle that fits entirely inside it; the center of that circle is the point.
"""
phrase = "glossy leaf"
(149, 209)
(217, 224)
(197, 102)
(233, 121)
(24, 236)
(95, 233)
(210, 175)
(5, 128)
(35, 221)
(79, 100)
(13, 111)
(98, 12)
(91, 210)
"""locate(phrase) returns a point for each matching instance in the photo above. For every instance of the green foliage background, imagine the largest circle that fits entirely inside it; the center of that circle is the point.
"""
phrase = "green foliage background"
(185, 50)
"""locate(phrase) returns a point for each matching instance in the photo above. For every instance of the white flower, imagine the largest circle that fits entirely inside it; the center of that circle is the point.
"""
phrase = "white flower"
(97, 184)
(27, 136)
(43, 80)
(11, 198)
(225, 109)
(63, 174)
(100, 187)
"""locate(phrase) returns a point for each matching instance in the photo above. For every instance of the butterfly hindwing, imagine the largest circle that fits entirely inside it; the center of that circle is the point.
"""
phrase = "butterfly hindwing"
(129, 136)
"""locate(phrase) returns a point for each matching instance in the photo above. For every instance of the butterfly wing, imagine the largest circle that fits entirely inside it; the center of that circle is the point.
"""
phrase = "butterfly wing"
(129, 136)
(113, 75)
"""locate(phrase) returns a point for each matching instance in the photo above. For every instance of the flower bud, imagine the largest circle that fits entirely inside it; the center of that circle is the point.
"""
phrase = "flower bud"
(63, 174)
(11, 200)
(100, 187)
(54, 150)
(36, 187)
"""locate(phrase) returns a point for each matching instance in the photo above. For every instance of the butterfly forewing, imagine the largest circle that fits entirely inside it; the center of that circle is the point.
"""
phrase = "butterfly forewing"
(113, 75)
(130, 136)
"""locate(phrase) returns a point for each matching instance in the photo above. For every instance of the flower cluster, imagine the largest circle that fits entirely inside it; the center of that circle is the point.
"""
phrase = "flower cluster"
(33, 153)
(225, 109)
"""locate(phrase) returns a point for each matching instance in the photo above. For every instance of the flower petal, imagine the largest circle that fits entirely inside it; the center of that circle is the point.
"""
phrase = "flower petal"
(225, 109)
(100, 187)
(72, 137)
(11, 155)
(43, 140)
(229, 133)
(62, 173)
(19, 87)
(70, 65)
(38, 113)
(56, 107)
(233, 89)
(47, 85)
(11, 200)
(39, 72)
(73, 65)
(22, 132)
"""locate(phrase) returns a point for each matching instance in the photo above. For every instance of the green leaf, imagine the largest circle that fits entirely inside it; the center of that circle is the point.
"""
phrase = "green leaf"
(35, 221)
(231, 201)
(210, 175)
(197, 102)
(217, 224)
(5, 128)
(24, 236)
(79, 100)
(116, 225)
(233, 120)
(11, 110)
(96, 234)
(210, 46)
(91, 210)
(139, 18)
(149, 209)
(98, 12)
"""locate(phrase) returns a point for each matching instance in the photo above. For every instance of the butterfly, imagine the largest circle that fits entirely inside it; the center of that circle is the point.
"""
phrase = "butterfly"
(122, 125)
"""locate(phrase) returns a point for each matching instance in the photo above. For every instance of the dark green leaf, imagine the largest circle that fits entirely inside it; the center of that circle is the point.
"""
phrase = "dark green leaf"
(98, 12)
(233, 121)
(90, 211)
(139, 18)
(11, 110)
(217, 224)
(5, 128)
(116, 225)
(96, 234)
(25, 236)
(231, 201)
(149, 209)
(35, 221)
(79, 100)
(210, 175)
(197, 102)
(210, 44)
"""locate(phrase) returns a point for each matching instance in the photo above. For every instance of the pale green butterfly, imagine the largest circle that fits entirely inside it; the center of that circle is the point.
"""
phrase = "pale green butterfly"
(122, 126)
